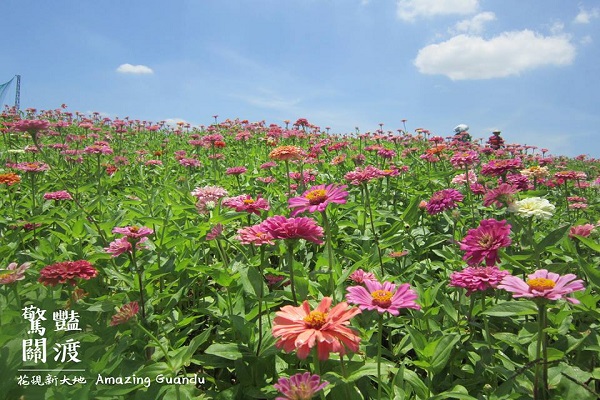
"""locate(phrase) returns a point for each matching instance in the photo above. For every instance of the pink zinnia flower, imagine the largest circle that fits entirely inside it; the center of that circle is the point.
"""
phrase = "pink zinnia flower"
(499, 167)
(32, 166)
(360, 175)
(280, 227)
(31, 125)
(581, 230)
(301, 329)
(125, 313)
(463, 159)
(502, 196)
(543, 285)
(256, 235)
(119, 246)
(477, 279)
(443, 200)
(317, 198)
(215, 232)
(383, 297)
(245, 203)
(300, 386)
(236, 170)
(360, 276)
(66, 272)
(13, 273)
(484, 242)
(60, 195)
(190, 162)
(134, 232)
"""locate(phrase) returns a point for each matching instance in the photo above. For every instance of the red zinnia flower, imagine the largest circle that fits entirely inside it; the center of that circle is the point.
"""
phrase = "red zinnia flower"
(300, 329)
(125, 313)
(66, 272)
(317, 198)
(485, 241)
(501, 196)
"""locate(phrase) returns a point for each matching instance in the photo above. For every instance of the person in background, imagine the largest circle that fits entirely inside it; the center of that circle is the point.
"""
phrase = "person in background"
(495, 141)
(460, 133)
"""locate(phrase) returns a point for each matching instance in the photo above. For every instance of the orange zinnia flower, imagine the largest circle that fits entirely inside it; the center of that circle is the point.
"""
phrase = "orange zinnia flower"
(299, 328)
(286, 153)
(9, 178)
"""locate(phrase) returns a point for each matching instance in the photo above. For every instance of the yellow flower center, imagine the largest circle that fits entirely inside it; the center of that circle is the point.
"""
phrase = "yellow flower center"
(486, 241)
(248, 201)
(382, 298)
(541, 284)
(134, 229)
(302, 391)
(6, 274)
(316, 319)
(316, 196)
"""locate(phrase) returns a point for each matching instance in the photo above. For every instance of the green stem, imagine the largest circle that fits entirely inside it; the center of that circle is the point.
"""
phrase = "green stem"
(541, 354)
(379, 346)
(317, 366)
(290, 262)
(375, 236)
(329, 247)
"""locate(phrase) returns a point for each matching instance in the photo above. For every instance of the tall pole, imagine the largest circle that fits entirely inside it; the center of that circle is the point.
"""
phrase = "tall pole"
(18, 94)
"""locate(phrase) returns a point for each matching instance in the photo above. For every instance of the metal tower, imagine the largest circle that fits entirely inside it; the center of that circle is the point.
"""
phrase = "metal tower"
(18, 94)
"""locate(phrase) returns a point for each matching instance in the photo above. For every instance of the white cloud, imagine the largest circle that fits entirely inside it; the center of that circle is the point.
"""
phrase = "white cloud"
(585, 16)
(511, 53)
(586, 40)
(407, 10)
(134, 69)
(474, 25)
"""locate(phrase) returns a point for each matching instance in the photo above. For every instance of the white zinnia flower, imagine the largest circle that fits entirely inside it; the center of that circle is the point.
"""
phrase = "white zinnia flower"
(533, 207)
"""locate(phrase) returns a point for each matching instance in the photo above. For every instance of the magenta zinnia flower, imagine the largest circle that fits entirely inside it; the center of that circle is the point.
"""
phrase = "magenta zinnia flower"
(125, 313)
(299, 387)
(60, 195)
(485, 241)
(317, 198)
(383, 297)
(66, 272)
(543, 285)
(280, 227)
(477, 279)
(443, 200)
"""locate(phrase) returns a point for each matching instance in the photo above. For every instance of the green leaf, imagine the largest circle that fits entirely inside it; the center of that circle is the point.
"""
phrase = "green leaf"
(552, 238)
(589, 243)
(229, 351)
(443, 350)
(511, 308)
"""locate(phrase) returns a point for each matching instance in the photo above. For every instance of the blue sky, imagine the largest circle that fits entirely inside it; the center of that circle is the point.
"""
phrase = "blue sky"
(528, 68)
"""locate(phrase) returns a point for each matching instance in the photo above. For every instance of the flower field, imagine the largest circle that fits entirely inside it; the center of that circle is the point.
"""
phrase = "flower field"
(243, 260)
